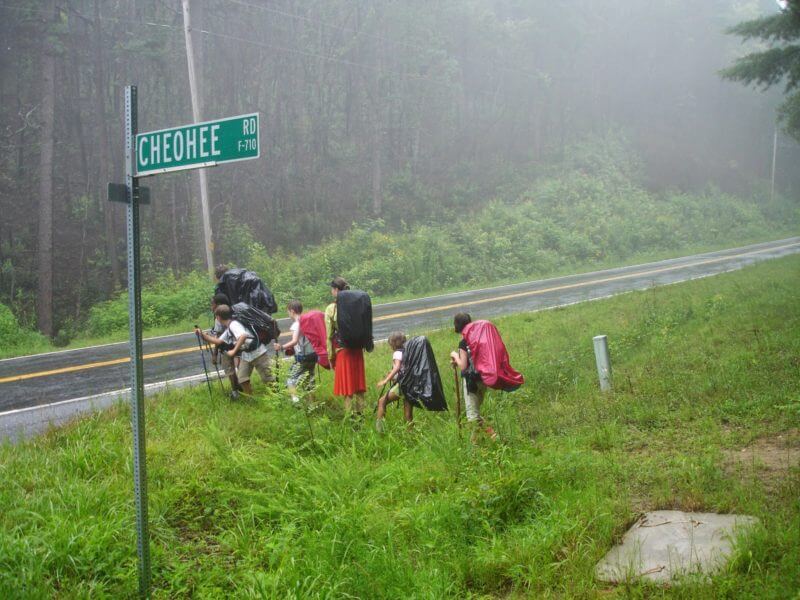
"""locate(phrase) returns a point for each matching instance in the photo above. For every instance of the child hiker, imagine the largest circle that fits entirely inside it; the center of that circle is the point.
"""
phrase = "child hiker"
(396, 342)
(473, 388)
(305, 359)
(218, 354)
(483, 360)
(254, 354)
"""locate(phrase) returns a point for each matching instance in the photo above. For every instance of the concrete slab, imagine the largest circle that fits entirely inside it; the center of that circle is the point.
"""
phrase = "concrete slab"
(666, 544)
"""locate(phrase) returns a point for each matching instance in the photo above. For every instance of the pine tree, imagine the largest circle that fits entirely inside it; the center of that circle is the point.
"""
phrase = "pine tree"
(780, 62)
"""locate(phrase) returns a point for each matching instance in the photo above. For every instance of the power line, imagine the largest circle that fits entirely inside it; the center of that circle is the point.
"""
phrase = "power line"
(323, 24)
(365, 34)
(48, 13)
(343, 61)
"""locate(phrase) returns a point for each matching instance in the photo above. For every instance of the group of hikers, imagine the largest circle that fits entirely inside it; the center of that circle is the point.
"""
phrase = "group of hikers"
(245, 337)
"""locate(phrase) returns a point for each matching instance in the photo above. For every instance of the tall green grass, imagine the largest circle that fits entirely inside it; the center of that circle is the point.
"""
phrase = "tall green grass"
(257, 499)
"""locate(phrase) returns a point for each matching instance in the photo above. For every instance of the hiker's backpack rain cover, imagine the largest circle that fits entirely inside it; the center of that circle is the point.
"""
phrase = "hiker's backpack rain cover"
(490, 357)
(354, 319)
(419, 376)
(312, 325)
(240, 285)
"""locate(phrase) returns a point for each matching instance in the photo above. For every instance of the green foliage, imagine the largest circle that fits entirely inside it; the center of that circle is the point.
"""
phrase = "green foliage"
(9, 329)
(236, 241)
(780, 62)
(167, 300)
(257, 499)
(593, 212)
(15, 339)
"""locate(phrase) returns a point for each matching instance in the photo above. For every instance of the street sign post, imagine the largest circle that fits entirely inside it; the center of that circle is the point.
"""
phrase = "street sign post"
(197, 145)
(175, 149)
(135, 341)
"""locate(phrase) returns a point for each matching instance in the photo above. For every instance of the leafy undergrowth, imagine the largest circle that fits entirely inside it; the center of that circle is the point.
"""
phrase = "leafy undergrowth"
(258, 499)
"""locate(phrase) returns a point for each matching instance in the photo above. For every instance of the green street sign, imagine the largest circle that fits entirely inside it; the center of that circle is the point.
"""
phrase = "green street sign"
(198, 145)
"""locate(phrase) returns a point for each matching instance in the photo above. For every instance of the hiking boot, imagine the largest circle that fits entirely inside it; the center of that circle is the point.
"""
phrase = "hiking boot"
(234, 395)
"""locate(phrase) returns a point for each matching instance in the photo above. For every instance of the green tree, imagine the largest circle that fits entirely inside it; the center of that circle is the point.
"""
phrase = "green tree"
(778, 63)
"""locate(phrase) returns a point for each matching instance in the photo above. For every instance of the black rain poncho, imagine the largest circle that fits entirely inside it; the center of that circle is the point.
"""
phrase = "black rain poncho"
(240, 285)
(419, 376)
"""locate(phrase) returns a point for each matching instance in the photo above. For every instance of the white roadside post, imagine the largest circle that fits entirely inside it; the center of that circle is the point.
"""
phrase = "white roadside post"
(603, 360)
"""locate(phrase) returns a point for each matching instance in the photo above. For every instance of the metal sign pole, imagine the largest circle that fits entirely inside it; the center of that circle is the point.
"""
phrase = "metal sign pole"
(230, 139)
(135, 319)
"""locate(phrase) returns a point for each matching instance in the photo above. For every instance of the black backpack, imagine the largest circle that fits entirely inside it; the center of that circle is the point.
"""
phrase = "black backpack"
(419, 375)
(263, 327)
(354, 319)
(240, 285)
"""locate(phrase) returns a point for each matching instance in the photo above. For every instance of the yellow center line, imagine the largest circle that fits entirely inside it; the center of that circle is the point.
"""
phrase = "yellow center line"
(104, 363)
(95, 365)
(421, 311)
(568, 286)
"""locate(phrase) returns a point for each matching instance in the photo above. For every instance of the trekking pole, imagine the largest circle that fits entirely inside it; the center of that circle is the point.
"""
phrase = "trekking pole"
(203, 357)
(277, 383)
(216, 366)
(457, 388)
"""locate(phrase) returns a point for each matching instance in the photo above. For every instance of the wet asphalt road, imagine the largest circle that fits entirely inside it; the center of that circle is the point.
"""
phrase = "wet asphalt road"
(101, 369)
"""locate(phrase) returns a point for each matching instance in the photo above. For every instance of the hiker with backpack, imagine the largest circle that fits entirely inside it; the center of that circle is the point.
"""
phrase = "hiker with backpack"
(483, 361)
(305, 357)
(238, 339)
(348, 325)
(218, 355)
(415, 376)
(396, 341)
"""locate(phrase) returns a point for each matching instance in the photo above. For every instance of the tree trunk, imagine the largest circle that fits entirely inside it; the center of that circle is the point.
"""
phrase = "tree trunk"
(104, 155)
(377, 183)
(377, 125)
(44, 304)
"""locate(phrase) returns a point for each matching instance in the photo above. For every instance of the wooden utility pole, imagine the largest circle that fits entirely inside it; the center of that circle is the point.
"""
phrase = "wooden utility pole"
(196, 115)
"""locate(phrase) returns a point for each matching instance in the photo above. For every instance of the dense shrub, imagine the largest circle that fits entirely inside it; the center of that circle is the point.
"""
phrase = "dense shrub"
(166, 300)
(15, 339)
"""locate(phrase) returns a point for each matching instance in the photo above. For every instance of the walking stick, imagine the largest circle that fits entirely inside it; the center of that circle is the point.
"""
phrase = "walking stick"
(216, 366)
(276, 385)
(203, 356)
(457, 387)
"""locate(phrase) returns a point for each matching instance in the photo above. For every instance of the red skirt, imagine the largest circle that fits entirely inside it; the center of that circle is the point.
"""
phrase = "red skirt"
(348, 374)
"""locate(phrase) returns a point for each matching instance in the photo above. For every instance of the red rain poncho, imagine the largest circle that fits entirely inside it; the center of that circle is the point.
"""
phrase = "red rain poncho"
(490, 357)
(312, 325)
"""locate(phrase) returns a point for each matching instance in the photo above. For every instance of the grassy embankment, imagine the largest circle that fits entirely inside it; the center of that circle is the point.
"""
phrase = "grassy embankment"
(245, 502)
